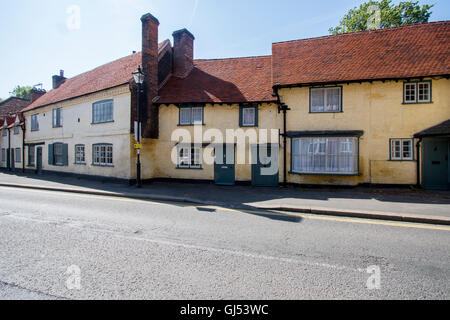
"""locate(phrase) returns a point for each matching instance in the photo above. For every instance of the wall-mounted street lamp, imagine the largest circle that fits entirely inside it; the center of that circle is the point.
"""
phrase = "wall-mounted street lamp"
(139, 79)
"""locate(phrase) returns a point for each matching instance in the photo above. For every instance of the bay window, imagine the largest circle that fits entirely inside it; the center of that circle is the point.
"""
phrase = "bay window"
(325, 155)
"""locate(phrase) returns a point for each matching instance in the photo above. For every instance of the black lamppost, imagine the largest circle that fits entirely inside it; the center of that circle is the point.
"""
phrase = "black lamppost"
(139, 79)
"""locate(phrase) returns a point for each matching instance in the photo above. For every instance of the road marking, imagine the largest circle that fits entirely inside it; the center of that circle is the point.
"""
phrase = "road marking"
(258, 212)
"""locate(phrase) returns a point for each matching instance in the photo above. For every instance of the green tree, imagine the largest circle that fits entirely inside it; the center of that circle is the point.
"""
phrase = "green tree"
(382, 14)
(22, 92)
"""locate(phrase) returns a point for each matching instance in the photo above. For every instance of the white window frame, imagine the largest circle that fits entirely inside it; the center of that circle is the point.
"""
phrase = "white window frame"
(57, 119)
(397, 146)
(103, 111)
(325, 155)
(191, 159)
(103, 154)
(35, 122)
(190, 112)
(324, 108)
(410, 88)
(80, 154)
(252, 123)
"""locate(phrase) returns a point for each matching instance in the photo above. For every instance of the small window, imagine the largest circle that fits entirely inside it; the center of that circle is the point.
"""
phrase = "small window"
(57, 117)
(35, 122)
(402, 149)
(80, 157)
(18, 155)
(248, 116)
(58, 154)
(5, 132)
(3, 155)
(103, 111)
(326, 99)
(31, 155)
(189, 157)
(16, 129)
(417, 92)
(191, 115)
(103, 154)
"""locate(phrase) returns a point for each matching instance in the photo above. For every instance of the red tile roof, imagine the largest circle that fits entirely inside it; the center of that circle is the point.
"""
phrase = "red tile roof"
(12, 105)
(107, 76)
(222, 81)
(9, 121)
(410, 51)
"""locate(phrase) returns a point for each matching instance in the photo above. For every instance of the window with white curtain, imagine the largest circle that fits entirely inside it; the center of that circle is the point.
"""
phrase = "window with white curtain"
(326, 99)
(325, 155)
(189, 157)
(191, 115)
(248, 116)
(103, 111)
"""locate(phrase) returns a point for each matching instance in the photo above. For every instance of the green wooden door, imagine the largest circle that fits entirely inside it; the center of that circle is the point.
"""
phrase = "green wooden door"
(264, 172)
(224, 166)
(435, 164)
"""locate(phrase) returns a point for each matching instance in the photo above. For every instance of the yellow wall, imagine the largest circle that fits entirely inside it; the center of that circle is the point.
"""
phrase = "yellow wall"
(156, 154)
(84, 132)
(376, 108)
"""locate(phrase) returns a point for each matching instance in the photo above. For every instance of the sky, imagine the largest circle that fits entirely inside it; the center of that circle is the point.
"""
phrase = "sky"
(38, 38)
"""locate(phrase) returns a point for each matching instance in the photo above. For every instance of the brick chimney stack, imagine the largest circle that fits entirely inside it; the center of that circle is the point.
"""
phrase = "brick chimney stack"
(183, 53)
(36, 94)
(150, 68)
(58, 80)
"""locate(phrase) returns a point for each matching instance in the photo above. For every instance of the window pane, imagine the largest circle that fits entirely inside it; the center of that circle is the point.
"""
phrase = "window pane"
(333, 99)
(248, 116)
(407, 150)
(424, 92)
(103, 111)
(317, 100)
(197, 115)
(185, 115)
(410, 92)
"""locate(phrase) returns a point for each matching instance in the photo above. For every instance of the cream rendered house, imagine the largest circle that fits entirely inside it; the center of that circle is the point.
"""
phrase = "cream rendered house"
(349, 109)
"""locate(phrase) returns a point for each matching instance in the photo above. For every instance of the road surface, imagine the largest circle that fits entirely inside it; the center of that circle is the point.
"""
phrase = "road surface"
(56, 245)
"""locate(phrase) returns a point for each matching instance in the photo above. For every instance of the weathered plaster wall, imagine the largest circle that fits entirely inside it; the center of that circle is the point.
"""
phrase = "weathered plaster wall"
(156, 154)
(376, 108)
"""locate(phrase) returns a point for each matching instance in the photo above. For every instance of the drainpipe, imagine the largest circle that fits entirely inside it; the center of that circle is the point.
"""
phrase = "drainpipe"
(284, 108)
(418, 162)
(23, 147)
(9, 151)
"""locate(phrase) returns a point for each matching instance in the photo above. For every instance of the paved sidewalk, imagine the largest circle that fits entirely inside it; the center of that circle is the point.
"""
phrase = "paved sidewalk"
(399, 204)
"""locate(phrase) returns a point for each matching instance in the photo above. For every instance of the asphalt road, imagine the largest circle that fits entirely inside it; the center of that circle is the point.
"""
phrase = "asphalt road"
(69, 246)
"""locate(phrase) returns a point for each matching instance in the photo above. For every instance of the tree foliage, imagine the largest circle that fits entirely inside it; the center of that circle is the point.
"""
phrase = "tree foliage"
(382, 14)
(22, 92)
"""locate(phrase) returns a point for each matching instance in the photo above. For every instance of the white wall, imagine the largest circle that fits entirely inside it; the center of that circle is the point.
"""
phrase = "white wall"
(77, 128)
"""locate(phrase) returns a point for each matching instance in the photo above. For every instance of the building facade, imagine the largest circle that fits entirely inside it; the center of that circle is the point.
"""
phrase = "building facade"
(339, 110)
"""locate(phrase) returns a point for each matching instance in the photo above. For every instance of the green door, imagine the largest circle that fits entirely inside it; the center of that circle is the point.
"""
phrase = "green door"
(224, 165)
(265, 172)
(435, 175)
(13, 161)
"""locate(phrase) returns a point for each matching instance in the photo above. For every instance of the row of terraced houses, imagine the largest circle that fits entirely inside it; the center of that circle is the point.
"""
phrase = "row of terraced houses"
(370, 107)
